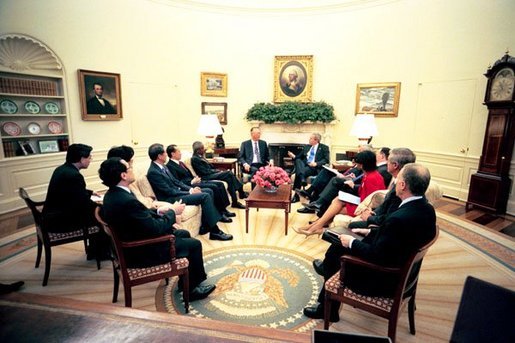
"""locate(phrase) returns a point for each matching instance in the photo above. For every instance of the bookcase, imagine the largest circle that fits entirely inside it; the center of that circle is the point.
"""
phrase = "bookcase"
(33, 108)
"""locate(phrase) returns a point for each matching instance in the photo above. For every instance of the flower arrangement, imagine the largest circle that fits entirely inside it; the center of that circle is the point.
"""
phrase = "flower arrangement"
(271, 177)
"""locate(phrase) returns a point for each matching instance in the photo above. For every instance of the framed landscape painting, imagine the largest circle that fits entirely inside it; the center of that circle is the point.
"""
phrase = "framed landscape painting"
(293, 78)
(100, 95)
(380, 99)
(213, 84)
(218, 108)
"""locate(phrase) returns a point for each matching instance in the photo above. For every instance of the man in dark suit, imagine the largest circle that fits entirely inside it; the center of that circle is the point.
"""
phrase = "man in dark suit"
(254, 153)
(382, 161)
(404, 231)
(168, 188)
(206, 171)
(182, 173)
(68, 205)
(97, 104)
(309, 161)
(133, 221)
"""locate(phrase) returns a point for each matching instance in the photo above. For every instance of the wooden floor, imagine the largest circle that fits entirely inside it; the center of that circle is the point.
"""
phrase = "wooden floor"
(445, 268)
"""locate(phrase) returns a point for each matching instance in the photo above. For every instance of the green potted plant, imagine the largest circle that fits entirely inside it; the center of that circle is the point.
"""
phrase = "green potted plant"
(291, 112)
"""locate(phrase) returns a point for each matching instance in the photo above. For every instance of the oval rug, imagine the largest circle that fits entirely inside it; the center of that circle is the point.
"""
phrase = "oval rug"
(259, 286)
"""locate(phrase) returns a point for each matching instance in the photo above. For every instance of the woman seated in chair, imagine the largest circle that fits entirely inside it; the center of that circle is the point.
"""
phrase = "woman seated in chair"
(372, 181)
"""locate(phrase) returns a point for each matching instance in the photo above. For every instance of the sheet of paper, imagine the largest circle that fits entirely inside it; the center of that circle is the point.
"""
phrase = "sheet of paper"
(332, 170)
(350, 198)
(96, 198)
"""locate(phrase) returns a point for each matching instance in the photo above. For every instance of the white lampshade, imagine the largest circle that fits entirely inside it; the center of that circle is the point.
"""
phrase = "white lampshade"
(209, 126)
(364, 126)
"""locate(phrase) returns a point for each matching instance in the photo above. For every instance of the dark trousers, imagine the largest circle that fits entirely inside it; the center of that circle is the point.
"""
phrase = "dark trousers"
(210, 215)
(191, 248)
(331, 266)
(233, 184)
(218, 192)
(331, 191)
(303, 171)
(321, 181)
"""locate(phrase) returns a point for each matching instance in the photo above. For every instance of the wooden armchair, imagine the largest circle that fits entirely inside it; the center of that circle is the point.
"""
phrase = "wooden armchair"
(386, 307)
(137, 276)
(48, 239)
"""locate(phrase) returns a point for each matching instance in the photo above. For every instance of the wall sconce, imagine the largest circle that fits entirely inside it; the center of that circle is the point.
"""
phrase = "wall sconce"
(364, 127)
(209, 127)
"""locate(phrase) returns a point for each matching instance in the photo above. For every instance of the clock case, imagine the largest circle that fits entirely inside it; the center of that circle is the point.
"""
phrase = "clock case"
(490, 186)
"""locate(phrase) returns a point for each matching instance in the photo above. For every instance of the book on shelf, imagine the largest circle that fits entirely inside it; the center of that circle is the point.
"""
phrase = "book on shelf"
(63, 144)
(9, 149)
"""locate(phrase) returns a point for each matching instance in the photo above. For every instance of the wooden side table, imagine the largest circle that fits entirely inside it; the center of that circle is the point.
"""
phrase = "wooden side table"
(258, 198)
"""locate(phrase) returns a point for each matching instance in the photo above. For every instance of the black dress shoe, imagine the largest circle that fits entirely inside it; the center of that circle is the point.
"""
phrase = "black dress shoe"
(295, 199)
(8, 288)
(201, 292)
(318, 265)
(243, 195)
(302, 193)
(220, 236)
(237, 205)
(313, 206)
(229, 214)
(317, 312)
(224, 219)
(305, 210)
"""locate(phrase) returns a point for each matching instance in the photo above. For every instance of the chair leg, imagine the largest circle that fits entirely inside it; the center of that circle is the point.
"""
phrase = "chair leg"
(40, 250)
(411, 314)
(116, 286)
(128, 295)
(392, 326)
(327, 311)
(186, 291)
(48, 261)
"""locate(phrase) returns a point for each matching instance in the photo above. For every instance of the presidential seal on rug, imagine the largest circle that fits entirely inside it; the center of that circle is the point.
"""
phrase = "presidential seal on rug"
(260, 286)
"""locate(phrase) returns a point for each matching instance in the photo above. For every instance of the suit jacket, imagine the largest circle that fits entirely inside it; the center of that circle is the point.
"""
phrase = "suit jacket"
(68, 205)
(182, 174)
(165, 187)
(95, 107)
(402, 233)
(201, 166)
(387, 177)
(246, 154)
(390, 204)
(133, 221)
(321, 155)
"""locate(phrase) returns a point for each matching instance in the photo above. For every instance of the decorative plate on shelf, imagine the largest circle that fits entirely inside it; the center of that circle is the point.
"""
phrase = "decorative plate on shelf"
(12, 129)
(32, 107)
(8, 106)
(34, 128)
(55, 127)
(51, 107)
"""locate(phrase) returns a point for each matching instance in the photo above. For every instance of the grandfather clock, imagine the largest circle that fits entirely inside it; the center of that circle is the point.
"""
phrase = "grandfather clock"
(490, 186)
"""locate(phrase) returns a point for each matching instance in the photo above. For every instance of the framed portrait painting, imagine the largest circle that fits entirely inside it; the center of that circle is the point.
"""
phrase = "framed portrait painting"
(293, 78)
(213, 84)
(100, 95)
(380, 99)
(218, 108)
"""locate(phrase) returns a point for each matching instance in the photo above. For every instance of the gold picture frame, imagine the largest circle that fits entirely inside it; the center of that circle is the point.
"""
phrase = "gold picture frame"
(213, 84)
(293, 78)
(218, 108)
(380, 99)
(111, 95)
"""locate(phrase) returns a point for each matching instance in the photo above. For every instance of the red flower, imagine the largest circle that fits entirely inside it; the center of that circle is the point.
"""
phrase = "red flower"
(270, 176)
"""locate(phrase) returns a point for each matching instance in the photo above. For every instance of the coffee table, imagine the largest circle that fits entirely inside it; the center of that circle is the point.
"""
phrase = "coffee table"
(258, 198)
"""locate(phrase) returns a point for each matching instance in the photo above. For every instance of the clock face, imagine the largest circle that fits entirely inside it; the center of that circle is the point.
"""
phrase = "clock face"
(503, 85)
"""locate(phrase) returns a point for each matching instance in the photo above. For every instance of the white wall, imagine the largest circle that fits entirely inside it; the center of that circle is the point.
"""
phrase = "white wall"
(437, 49)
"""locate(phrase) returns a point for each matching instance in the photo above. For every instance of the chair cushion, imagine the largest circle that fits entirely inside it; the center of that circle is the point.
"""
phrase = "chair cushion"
(144, 187)
(139, 273)
(57, 236)
(333, 285)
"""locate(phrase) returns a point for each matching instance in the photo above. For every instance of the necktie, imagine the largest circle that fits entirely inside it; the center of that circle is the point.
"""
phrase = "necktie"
(311, 155)
(256, 153)
(166, 172)
(182, 164)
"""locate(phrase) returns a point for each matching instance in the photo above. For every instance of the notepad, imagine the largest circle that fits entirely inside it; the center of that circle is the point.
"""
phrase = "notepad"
(97, 198)
(350, 198)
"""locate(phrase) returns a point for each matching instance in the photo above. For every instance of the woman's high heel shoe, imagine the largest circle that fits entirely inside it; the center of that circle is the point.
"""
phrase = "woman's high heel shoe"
(303, 231)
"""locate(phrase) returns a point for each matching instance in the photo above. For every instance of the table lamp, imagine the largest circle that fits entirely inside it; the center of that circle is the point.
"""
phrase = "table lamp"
(364, 127)
(209, 127)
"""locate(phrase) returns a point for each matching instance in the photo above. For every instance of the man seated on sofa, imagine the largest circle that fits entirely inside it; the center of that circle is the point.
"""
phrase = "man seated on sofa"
(133, 221)
(206, 171)
(309, 161)
(254, 153)
(403, 231)
(182, 173)
(168, 188)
